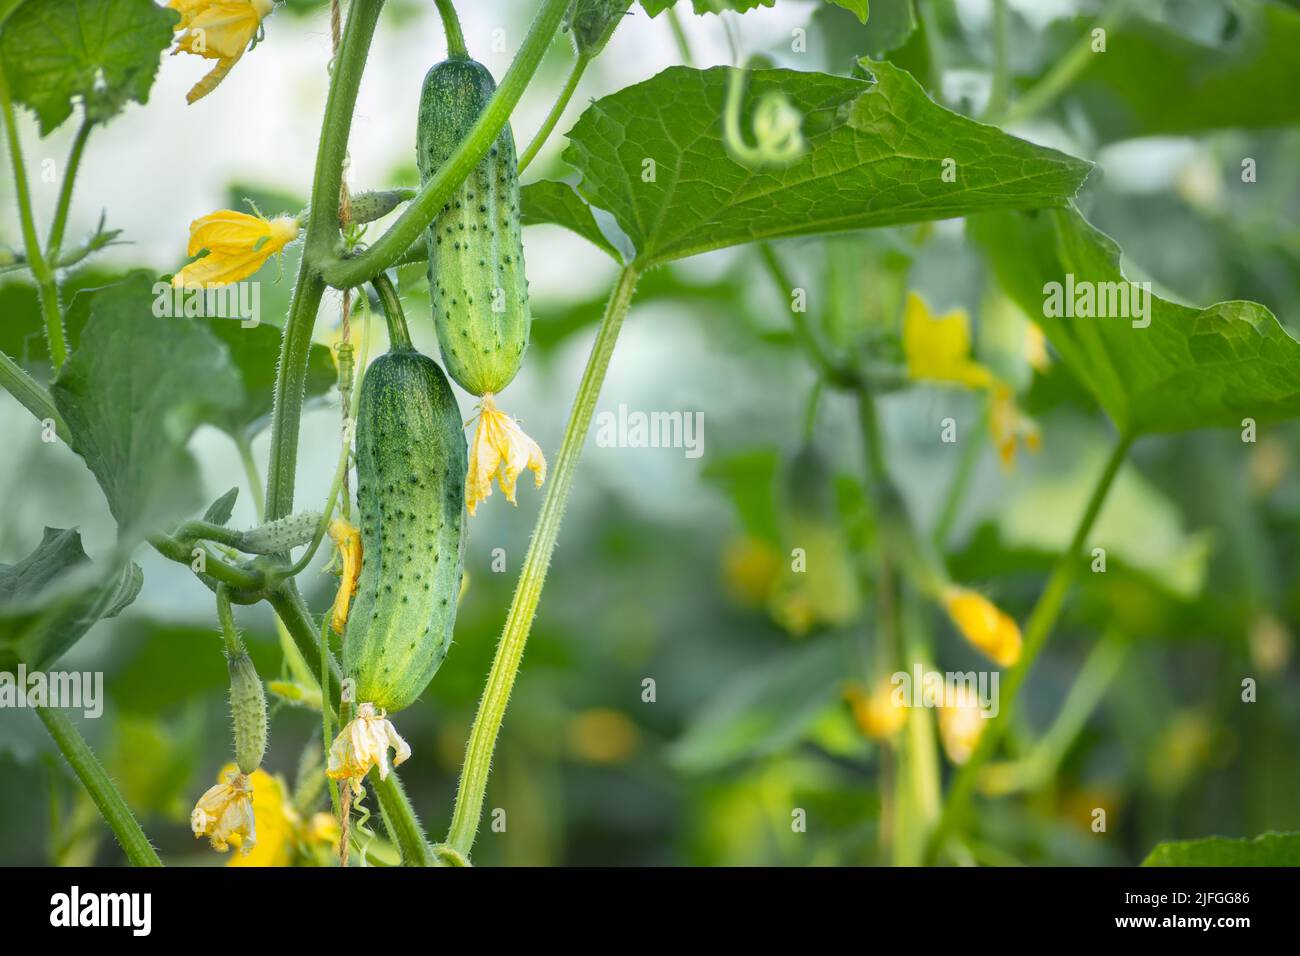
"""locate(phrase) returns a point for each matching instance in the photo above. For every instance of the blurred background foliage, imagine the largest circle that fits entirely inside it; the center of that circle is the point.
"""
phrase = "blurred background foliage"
(677, 570)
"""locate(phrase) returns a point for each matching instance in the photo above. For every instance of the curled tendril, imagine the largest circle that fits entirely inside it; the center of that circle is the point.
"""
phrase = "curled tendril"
(777, 127)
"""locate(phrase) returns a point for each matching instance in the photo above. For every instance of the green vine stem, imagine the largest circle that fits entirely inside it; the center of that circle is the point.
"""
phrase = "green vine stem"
(510, 649)
(456, 49)
(60, 221)
(105, 795)
(679, 37)
(46, 288)
(399, 336)
(322, 232)
(557, 110)
(1067, 69)
(403, 824)
(415, 218)
(31, 395)
(1037, 630)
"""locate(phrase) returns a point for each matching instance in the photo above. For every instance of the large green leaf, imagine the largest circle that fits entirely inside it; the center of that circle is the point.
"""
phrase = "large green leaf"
(255, 352)
(52, 597)
(1152, 80)
(133, 392)
(655, 7)
(103, 52)
(1268, 849)
(875, 156)
(546, 201)
(1189, 368)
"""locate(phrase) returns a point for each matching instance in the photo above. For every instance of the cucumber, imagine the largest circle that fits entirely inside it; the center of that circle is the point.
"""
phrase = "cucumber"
(411, 463)
(476, 252)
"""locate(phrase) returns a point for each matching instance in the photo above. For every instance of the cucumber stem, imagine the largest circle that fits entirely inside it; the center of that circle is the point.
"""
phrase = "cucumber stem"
(557, 110)
(1038, 629)
(451, 25)
(519, 620)
(399, 336)
(106, 797)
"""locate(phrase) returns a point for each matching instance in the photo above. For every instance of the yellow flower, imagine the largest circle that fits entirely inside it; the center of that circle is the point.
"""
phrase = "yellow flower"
(276, 822)
(878, 714)
(323, 831)
(225, 812)
(237, 245)
(1010, 426)
(363, 744)
(1036, 348)
(961, 721)
(937, 348)
(348, 540)
(218, 30)
(983, 625)
(500, 450)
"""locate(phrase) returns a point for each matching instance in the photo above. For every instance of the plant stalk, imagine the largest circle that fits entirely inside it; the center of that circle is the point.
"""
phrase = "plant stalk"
(557, 110)
(510, 649)
(456, 49)
(60, 222)
(105, 795)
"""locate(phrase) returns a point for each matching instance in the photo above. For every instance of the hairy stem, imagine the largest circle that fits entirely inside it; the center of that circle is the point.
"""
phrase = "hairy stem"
(415, 218)
(46, 288)
(510, 649)
(1039, 627)
(557, 110)
(60, 222)
(402, 821)
(31, 395)
(399, 336)
(91, 773)
(456, 49)
(322, 231)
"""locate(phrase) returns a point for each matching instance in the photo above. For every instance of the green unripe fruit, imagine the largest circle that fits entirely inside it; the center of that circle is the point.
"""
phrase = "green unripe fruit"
(476, 252)
(281, 534)
(411, 463)
(248, 711)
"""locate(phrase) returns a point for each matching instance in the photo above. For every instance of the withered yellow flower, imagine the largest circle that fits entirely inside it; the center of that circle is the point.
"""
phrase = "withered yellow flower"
(1010, 426)
(500, 450)
(983, 624)
(878, 713)
(363, 744)
(938, 348)
(237, 245)
(225, 813)
(961, 721)
(348, 541)
(218, 30)
(277, 822)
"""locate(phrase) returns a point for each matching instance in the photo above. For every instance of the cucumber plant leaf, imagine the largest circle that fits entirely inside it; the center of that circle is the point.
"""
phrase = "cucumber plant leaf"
(102, 52)
(255, 352)
(1188, 368)
(1267, 849)
(879, 153)
(547, 201)
(655, 7)
(1155, 81)
(52, 597)
(132, 394)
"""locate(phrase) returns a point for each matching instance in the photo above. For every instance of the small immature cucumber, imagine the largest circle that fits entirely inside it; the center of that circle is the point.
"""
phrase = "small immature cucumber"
(476, 253)
(411, 463)
(248, 711)
(280, 535)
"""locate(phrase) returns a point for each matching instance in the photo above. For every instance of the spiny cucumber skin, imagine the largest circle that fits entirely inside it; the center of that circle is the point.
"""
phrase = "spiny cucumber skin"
(411, 464)
(248, 712)
(476, 250)
(281, 534)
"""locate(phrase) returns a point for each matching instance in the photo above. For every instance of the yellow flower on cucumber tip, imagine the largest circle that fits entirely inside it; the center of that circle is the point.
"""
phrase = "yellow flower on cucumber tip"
(237, 243)
(961, 722)
(501, 450)
(363, 744)
(347, 539)
(878, 713)
(225, 813)
(983, 624)
(220, 30)
(277, 823)
(938, 348)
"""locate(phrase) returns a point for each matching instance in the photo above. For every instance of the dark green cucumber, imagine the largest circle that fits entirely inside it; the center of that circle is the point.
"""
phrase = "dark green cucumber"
(411, 463)
(476, 252)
